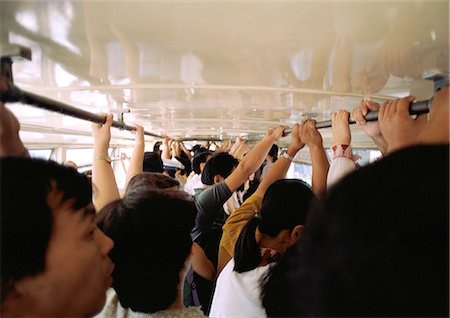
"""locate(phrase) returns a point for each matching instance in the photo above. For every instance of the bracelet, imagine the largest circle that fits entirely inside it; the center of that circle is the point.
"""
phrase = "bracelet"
(284, 154)
(105, 158)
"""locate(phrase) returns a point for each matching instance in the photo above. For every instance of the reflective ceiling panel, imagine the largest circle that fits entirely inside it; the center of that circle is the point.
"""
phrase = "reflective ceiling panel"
(219, 69)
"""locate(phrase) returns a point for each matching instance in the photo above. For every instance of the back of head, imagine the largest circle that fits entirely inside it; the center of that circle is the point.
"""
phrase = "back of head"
(26, 218)
(378, 245)
(200, 157)
(221, 164)
(150, 180)
(152, 162)
(151, 231)
(285, 205)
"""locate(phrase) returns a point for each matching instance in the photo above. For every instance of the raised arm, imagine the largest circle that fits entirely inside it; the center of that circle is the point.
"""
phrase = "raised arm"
(165, 154)
(343, 161)
(136, 163)
(185, 150)
(280, 167)
(312, 138)
(253, 160)
(372, 128)
(105, 186)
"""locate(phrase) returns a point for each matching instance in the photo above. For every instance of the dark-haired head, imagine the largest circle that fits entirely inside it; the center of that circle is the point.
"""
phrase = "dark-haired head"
(199, 161)
(152, 162)
(151, 230)
(378, 246)
(219, 166)
(283, 213)
(151, 180)
(31, 212)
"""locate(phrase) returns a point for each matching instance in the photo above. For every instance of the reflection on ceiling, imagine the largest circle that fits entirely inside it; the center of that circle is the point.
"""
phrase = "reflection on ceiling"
(221, 69)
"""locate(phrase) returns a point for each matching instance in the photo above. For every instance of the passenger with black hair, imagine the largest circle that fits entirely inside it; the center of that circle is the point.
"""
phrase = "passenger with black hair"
(263, 228)
(151, 228)
(224, 175)
(54, 259)
(194, 182)
(379, 244)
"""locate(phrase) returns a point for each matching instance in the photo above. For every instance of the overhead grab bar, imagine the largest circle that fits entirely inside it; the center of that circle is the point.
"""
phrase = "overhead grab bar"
(11, 93)
(416, 108)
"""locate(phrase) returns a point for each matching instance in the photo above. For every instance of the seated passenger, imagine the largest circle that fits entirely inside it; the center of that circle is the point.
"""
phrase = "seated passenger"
(54, 258)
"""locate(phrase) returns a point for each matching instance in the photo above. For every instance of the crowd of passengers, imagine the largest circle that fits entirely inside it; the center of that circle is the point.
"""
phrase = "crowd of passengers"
(223, 233)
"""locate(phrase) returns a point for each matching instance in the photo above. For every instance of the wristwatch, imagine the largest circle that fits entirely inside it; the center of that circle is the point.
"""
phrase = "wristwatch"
(284, 154)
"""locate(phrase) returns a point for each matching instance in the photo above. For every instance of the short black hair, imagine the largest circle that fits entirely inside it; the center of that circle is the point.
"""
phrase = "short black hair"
(152, 162)
(26, 218)
(150, 180)
(377, 246)
(151, 233)
(221, 164)
(200, 157)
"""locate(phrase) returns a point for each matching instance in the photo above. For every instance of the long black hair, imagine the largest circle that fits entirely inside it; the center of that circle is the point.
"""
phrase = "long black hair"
(284, 206)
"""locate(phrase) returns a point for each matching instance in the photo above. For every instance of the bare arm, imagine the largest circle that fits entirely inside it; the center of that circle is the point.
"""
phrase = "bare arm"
(312, 138)
(253, 160)
(185, 150)
(165, 154)
(135, 167)
(102, 173)
(201, 264)
(280, 167)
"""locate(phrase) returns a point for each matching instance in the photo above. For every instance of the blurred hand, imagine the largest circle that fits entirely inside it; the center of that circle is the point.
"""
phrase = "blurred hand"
(139, 135)
(371, 128)
(309, 134)
(276, 133)
(341, 127)
(398, 128)
(296, 142)
(102, 134)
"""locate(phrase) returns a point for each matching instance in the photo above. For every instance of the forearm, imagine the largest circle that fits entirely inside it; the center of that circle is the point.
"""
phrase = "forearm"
(276, 172)
(320, 168)
(136, 163)
(105, 186)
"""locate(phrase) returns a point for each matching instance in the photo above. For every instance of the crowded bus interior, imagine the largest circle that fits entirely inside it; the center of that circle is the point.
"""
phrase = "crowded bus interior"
(224, 158)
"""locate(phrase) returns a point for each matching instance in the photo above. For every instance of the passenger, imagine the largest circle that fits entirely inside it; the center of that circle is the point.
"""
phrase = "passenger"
(151, 215)
(386, 257)
(151, 230)
(194, 181)
(257, 233)
(221, 172)
(54, 259)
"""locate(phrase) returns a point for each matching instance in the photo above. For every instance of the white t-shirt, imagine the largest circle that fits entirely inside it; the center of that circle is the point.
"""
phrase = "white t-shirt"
(194, 181)
(239, 294)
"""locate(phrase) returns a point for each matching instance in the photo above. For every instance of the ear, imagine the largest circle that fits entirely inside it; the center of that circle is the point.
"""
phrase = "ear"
(295, 234)
(217, 179)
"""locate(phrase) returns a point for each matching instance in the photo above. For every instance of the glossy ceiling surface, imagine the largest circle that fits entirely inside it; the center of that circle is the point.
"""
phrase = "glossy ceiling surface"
(218, 69)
